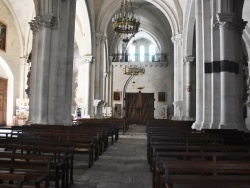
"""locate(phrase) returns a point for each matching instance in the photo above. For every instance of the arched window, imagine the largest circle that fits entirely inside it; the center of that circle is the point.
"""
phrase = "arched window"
(142, 53)
(131, 52)
(152, 52)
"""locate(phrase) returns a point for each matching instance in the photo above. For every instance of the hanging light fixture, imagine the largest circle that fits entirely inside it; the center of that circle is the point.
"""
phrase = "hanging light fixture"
(133, 70)
(124, 22)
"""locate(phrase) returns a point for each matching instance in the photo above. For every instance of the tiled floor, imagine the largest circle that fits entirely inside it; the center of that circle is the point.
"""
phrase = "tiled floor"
(123, 165)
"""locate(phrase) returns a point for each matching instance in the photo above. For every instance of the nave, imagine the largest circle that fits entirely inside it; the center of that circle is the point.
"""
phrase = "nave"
(123, 165)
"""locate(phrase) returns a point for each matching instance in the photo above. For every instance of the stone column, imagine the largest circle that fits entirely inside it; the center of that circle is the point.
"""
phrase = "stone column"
(178, 74)
(84, 81)
(207, 77)
(188, 91)
(99, 65)
(227, 115)
(199, 65)
(23, 62)
(175, 79)
(52, 62)
(238, 31)
(215, 69)
(105, 87)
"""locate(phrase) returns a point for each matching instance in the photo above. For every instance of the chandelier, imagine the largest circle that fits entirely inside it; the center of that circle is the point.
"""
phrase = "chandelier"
(133, 70)
(124, 22)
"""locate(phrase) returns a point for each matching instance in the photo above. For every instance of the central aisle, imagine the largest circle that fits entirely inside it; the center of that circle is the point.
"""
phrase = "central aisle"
(123, 165)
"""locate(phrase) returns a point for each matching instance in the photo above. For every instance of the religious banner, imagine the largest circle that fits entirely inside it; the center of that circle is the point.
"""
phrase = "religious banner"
(3, 29)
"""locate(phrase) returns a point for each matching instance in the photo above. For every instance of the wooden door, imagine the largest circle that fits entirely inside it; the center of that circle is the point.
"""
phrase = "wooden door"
(3, 101)
(118, 109)
(139, 107)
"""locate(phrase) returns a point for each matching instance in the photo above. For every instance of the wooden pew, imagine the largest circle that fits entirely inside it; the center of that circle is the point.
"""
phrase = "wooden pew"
(61, 169)
(207, 174)
(18, 180)
(85, 142)
(98, 133)
(161, 157)
(35, 168)
(183, 144)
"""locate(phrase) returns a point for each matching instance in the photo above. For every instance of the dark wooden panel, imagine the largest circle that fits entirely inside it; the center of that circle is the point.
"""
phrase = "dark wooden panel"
(139, 107)
(3, 101)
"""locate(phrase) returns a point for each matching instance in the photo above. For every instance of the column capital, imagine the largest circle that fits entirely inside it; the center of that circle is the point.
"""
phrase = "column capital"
(177, 38)
(43, 21)
(23, 60)
(84, 60)
(105, 74)
(216, 24)
(239, 24)
(222, 17)
(100, 38)
(189, 59)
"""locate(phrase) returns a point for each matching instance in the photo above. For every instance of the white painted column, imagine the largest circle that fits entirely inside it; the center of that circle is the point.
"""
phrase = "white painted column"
(226, 119)
(178, 74)
(23, 62)
(175, 78)
(199, 65)
(83, 81)
(105, 87)
(216, 96)
(188, 90)
(99, 65)
(207, 76)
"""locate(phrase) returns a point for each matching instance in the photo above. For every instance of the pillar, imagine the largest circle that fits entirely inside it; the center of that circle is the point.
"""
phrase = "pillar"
(188, 89)
(99, 65)
(178, 74)
(83, 98)
(239, 26)
(52, 62)
(228, 71)
(199, 65)
(207, 77)
(23, 62)
(215, 70)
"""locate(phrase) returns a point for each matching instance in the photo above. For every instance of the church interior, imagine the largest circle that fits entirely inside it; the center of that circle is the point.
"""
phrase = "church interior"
(173, 71)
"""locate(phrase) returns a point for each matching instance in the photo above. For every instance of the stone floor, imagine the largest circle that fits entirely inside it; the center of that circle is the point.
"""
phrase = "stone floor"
(123, 165)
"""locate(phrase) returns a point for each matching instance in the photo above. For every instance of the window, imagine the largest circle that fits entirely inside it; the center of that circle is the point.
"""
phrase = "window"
(131, 52)
(142, 53)
(152, 52)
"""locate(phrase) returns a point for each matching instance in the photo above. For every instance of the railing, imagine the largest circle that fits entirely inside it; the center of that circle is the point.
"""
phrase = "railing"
(125, 57)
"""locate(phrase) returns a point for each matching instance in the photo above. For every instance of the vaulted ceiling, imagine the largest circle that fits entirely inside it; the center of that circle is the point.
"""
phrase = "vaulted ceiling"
(160, 19)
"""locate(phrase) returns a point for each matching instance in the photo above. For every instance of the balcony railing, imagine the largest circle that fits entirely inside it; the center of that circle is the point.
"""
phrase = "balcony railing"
(126, 57)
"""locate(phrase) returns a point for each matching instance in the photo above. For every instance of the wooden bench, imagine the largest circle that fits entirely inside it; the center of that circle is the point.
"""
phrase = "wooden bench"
(61, 169)
(207, 173)
(17, 180)
(35, 168)
(161, 157)
(179, 144)
(84, 142)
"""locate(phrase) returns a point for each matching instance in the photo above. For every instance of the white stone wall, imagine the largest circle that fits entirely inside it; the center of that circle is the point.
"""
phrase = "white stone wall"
(12, 54)
(157, 78)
